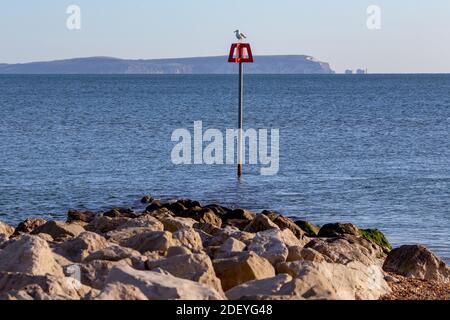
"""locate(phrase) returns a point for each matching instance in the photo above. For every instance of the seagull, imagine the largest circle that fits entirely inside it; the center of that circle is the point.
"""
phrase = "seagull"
(239, 35)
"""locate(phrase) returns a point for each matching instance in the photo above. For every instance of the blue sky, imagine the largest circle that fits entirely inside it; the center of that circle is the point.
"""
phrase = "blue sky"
(414, 36)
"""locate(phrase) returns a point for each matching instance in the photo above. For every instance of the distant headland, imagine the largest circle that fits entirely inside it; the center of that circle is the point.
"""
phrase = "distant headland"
(275, 64)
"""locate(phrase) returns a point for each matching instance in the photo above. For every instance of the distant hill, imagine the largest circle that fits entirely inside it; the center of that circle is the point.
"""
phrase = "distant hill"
(282, 64)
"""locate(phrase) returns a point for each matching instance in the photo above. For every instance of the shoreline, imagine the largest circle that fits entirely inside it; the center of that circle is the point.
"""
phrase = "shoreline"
(209, 252)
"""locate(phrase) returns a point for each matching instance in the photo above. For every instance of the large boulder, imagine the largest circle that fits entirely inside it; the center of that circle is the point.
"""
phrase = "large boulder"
(121, 235)
(322, 280)
(144, 221)
(102, 224)
(266, 287)
(153, 206)
(195, 267)
(260, 223)
(28, 225)
(59, 230)
(297, 253)
(77, 249)
(188, 203)
(240, 214)
(177, 251)
(173, 224)
(273, 244)
(229, 248)
(150, 241)
(120, 213)
(125, 283)
(23, 286)
(176, 207)
(77, 215)
(337, 229)
(94, 273)
(285, 223)
(221, 211)
(29, 254)
(377, 237)
(6, 230)
(310, 229)
(242, 267)
(203, 215)
(347, 248)
(188, 238)
(416, 261)
(112, 253)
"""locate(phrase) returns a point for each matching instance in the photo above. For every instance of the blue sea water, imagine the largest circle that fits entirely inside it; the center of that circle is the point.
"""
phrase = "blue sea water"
(373, 150)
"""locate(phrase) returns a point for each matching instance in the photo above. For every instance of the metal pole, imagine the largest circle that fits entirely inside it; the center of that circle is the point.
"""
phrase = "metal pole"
(241, 118)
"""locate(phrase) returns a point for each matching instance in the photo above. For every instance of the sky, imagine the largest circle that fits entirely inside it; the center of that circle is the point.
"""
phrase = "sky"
(414, 34)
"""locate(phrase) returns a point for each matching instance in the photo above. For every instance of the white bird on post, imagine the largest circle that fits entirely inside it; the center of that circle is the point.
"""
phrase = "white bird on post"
(239, 35)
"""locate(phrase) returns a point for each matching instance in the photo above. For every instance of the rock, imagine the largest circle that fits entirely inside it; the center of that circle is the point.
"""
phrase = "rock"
(237, 223)
(82, 246)
(240, 214)
(150, 241)
(242, 267)
(322, 280)
(245, 237)
(294, 253)
(260, 223)
(3, 240)
(121, 213)
(195, 267)
(270, 244)
(337, 229)
(229, 247)
(177, 251)
(204, 216)
(112, 253)
(188, 238)
(391, 279)
(416, 261)
(297, 253)
(377, 237)
(269, 286)
(84, 216)
(29, 254)
(22, 286)
(59, 230)
(145, 221)
(173, 224)
(6, 230)
(217, 236)
(177, 208)
(147, 199)
(288, 238)
(124, 283)
(285, 223)
(105, 224)
(155, 205)
(208, 228)
(28, 226)
(308, 254)
(188, 203)
(310, 229)
(161, 213)
(94, 273)
(121, 236)
(345, 249)
(219, 210)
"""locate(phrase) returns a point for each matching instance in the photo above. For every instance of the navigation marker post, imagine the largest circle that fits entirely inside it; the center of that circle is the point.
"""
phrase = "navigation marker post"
(240, 53)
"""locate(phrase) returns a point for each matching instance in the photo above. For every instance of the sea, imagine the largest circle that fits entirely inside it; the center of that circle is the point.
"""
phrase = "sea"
(373, 150)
